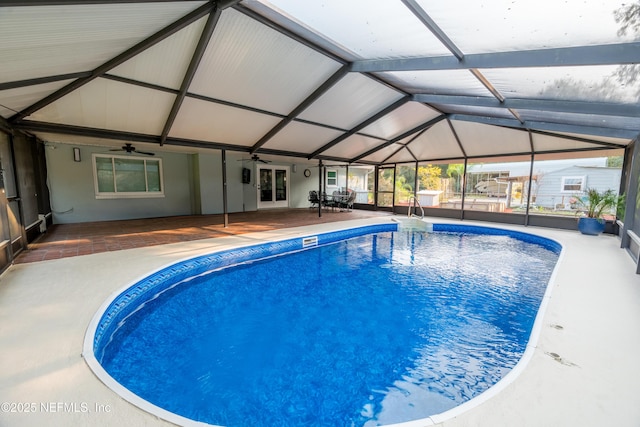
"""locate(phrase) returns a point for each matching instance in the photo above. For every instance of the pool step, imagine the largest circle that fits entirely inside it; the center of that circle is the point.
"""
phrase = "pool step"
(413, 224)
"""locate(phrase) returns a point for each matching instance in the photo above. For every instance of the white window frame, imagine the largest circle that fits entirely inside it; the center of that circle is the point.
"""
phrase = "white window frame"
(335, 184)
(563, 184)
(129, 194)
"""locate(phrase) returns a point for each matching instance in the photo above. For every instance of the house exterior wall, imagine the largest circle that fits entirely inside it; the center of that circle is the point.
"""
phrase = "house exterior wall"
(209, 179)
(549, 186)
(301, 185)
(72, 190)
(192, 185)
(235, 188)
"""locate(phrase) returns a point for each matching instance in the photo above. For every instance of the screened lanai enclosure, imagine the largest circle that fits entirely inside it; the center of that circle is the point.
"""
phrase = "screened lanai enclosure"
(504, 111)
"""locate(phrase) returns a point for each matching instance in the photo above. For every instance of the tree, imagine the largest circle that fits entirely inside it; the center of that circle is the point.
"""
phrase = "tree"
(628, 16)
(615, 162)
(455, 171)
(429, 177)
(627, 75)
(403, 189)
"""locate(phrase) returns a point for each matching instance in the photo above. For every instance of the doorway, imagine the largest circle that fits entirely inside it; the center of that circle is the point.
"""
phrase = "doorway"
(10, 208)
(273, 187)
(386, 185)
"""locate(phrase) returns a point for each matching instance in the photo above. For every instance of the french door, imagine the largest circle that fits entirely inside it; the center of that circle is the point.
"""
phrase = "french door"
(273, 186)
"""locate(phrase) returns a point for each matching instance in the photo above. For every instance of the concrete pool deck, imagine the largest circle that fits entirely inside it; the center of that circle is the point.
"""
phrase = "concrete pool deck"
(583, 370)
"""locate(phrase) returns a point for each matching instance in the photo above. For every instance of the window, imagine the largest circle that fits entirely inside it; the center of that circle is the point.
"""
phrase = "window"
(332, 178)
(125, 176)
(572, 184)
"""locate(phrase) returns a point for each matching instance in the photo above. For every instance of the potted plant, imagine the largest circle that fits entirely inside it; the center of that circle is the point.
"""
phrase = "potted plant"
(593, 206)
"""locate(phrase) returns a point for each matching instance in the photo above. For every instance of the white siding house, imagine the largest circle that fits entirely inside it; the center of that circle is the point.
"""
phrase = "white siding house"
(556, 188)
(555, 182)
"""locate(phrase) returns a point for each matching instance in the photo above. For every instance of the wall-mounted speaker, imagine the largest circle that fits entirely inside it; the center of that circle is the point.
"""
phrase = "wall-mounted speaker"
(246, 176)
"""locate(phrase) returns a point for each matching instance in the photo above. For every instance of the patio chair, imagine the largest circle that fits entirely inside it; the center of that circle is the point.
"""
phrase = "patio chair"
(313, 199)
(328, 201)
(346, 203)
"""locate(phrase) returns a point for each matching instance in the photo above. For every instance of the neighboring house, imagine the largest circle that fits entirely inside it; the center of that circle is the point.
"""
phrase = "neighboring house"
(555, 182)
(556, 189)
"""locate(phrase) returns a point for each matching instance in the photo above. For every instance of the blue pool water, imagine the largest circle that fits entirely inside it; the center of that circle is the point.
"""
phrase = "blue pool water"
(377, 329)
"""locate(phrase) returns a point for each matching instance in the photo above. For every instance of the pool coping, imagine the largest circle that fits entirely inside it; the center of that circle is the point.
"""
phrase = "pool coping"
(271, 247)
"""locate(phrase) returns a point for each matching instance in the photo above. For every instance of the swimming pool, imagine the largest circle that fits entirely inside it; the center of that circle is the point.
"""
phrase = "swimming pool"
(375, 347)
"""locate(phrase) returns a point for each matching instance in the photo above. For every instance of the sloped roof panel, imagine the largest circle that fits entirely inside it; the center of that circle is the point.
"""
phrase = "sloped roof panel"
(152, 66)
(395, 153)
(383, 31)
(583, 83)
(253, 65)
(302, 138)
(212, 122)
(402, 156)
(405, 117)
(505, 25)
(350, 101)
(50, 40)
(609, 140)
(438, 142)
(579, 154)
(473, 110)
(280, 75)
(352, 147)
(14, 100)
(480, 139)
(445, 82)
(613, 122)
(550, 126)
(545, 143)
(107, 104)
(506, 158)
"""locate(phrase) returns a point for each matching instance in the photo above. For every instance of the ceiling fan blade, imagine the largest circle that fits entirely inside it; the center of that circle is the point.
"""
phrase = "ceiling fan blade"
(144, 152)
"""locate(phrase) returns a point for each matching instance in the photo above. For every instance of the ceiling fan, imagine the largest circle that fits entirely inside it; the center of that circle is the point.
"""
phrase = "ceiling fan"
(129, 148)
(255, 158)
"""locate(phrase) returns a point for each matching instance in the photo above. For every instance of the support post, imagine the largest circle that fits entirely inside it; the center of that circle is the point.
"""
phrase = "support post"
(224, 189)
(320, 177)
(464, 188)
(631, 196)
(415, 184)
(375, 188)
(526, 214)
